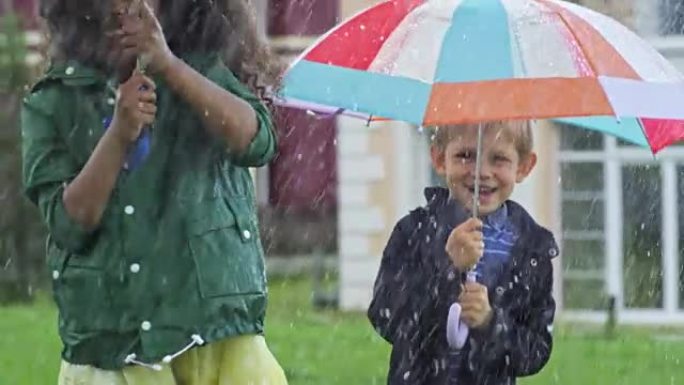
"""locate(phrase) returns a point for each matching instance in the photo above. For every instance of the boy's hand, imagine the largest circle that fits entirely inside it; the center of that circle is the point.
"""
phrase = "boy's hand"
(135, 107)
(465, 245)
(476, 313)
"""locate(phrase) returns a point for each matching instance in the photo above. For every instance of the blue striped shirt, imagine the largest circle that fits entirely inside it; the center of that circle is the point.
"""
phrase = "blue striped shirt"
(499, 237)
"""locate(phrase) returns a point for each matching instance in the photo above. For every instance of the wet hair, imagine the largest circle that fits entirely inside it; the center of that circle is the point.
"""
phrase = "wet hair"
(520, 131)
(76, 31)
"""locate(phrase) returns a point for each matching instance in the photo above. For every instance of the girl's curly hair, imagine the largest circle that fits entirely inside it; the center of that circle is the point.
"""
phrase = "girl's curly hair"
(76, 30)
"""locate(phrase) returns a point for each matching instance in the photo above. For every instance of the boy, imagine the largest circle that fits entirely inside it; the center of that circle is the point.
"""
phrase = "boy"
(510, 309)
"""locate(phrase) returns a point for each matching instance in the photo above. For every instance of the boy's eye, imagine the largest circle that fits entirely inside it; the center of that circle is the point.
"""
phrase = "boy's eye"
(464, 155)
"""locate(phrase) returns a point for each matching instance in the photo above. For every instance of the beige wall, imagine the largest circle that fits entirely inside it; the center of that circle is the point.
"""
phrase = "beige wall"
(350, 7)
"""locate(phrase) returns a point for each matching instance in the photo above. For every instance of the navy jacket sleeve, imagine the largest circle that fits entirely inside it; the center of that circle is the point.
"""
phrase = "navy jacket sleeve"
(521, 345)
(395, 283)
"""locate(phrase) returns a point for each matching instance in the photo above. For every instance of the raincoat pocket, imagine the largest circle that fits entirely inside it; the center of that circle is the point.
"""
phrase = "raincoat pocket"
(223, 244)
(79, 292)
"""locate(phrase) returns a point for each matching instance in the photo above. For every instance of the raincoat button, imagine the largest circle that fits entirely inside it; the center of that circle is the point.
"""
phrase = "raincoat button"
(111, 101)
(533, 262)
(146, 325)
(135, 268)
(55, 274)
(499, 290)
(129, 210)
(69, 70)
(246, 234)
(553, 252)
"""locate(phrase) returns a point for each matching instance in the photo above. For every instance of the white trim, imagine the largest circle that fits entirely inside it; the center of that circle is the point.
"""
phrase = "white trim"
(624, 154)
(359, 272)
(261, 14)
(353, 246)
(353, 195)
(422, 166)
(263, 184)
(625, 317)
(670, 234)
(367, 168)
(355, 297)
(646, 17)
(362, 220)
(568, 156)
(613, 223)
(403, 157)
(354, 143)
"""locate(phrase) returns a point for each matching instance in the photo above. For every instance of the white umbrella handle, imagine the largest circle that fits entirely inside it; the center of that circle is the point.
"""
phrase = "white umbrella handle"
(457, 331)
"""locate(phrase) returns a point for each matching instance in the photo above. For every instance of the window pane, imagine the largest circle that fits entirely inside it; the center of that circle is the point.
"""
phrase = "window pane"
(579, 139)
(582, 237)
(624, 143)
(584, 294)
(583, 254)
(643, 281)
(671, 17)
(582, 215)
(582, 177)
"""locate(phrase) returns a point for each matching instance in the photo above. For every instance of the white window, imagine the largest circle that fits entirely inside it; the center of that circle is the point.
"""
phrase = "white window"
(622, 216)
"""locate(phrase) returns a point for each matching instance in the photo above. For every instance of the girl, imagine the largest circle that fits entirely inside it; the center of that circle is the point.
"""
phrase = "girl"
(143, 183)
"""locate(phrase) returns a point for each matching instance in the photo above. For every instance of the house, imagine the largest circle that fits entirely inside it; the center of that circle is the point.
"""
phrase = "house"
(617, 211)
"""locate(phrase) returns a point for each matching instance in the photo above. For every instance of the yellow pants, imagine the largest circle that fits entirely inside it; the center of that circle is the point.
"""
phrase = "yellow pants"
(243, 360)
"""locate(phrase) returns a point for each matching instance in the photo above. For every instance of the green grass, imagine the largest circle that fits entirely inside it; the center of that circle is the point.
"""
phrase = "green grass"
(336, 348)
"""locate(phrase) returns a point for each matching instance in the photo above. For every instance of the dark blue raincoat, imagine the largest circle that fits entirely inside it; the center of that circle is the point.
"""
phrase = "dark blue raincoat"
(417, 284)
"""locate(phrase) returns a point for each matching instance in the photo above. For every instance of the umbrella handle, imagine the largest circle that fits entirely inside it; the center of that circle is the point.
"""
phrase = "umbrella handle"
(457, 331)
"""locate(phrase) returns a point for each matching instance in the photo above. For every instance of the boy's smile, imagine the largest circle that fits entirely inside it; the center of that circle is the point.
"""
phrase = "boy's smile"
(502, 166)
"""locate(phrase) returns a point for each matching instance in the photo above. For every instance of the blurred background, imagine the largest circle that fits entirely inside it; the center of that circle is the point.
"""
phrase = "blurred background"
(330, 199)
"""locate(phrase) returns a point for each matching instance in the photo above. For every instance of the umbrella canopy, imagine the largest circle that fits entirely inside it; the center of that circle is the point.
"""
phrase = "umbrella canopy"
(437, 62)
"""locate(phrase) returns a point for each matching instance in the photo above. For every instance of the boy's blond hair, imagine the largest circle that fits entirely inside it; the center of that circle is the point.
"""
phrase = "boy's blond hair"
(520, 132)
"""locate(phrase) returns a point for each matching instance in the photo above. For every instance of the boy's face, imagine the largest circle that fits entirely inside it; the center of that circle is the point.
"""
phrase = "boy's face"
(502, 166)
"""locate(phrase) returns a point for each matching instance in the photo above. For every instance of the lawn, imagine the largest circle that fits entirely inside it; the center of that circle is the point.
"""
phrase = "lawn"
(337, 348)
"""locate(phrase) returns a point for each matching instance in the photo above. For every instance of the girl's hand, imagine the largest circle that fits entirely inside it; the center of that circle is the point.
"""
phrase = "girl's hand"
(141, 35)
(135, 107)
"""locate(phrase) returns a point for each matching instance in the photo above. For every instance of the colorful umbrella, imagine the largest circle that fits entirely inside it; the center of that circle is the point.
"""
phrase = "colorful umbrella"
(435, 62)
(445, 62)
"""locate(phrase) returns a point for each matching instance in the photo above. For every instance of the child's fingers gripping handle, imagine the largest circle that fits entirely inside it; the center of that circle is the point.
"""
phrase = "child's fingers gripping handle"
(471, 276)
